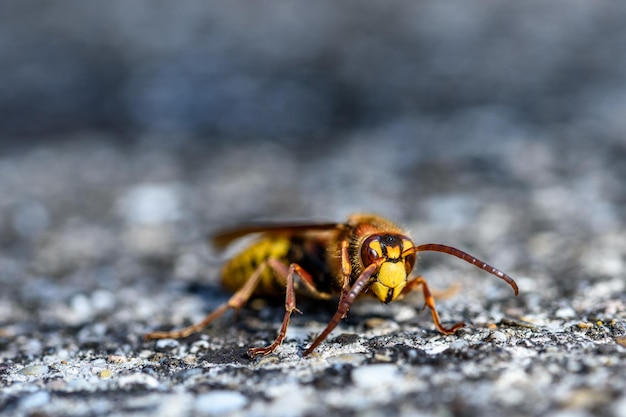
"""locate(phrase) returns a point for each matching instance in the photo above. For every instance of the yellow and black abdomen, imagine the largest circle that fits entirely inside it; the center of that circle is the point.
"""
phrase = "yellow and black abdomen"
(238, 270)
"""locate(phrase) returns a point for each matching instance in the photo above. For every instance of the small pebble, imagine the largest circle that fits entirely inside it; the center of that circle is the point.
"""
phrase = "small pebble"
(34, 370)
(117, 359)
(33, 347)
(166, 344)
(56, 385)
(200, 345)
(35, 400)
(103, 300)
(138, 379)
(220, 402)
(383, 356)
(498, 337)
(151, 203)
(81, 307)
(267, 360)
(374, 322)
(565, 313)
(187, 374)
(372, 376)
(459, 345)
(100, 362)
(347, 358)
(79, 384)
(405, 313)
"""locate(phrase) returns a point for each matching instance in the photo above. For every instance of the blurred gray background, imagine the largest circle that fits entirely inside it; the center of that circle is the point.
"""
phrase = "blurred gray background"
(292, 69)
(129, 131)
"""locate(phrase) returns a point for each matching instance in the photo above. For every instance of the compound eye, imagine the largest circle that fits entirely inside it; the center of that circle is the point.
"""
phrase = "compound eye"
(371, 250)
(409, 262)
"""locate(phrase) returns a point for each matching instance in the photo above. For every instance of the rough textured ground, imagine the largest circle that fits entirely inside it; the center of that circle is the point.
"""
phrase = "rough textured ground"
(101, 244)
(129, 132)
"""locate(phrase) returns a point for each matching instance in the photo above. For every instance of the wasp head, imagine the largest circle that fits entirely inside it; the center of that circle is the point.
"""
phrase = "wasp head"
(395, 267)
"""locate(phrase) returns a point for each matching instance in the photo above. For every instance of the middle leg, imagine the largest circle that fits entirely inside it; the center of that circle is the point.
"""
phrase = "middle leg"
(290, 301)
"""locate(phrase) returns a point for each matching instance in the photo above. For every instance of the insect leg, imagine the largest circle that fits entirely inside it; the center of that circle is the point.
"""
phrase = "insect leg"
(445, 293)
(346, 271)
(430, 303)
(236, 301)
(290, 306)
(344, 304)
(303, 281)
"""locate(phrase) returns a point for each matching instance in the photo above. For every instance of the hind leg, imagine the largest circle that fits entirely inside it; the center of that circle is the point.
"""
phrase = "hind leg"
(236, 301)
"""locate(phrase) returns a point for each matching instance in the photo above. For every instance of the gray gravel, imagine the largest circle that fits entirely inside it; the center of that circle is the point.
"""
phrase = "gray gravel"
(119, 249)
(130, 133)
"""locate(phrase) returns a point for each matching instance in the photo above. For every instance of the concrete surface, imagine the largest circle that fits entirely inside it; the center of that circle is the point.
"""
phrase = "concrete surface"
(101, 244)
(129, 132)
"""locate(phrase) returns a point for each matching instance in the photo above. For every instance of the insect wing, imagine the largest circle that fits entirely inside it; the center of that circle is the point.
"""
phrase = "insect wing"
(223, 238)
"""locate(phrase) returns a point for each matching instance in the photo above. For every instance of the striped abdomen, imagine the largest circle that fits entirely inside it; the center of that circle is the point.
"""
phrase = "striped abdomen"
(239, 269)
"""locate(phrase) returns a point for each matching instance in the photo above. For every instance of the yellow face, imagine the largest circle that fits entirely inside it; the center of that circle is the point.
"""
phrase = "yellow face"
(393, 273)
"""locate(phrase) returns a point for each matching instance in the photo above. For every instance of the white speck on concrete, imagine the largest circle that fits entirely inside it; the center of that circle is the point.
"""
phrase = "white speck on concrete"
(498, 337)
(81, 307)
(405, 313)
(565, 312)
(32, 347)
(459, 345)
(436, 348)
(34, 370)
(138, 379)
(151, 204)
(35, 400)
(167, 344)
(347, 358)
(219, 402)
(371, 376)
(178, 404)
(103, 300)
(286, 400)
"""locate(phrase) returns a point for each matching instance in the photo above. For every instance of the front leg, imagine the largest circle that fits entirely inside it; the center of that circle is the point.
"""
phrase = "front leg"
(429, 301)
(346, 271)
(347, 298)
